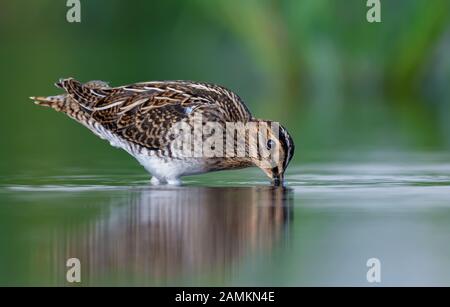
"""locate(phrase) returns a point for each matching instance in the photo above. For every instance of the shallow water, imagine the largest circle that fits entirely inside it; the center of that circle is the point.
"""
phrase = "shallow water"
(231, 228)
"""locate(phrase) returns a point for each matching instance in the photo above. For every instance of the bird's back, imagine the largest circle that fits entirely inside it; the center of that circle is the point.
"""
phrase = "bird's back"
(142, 113)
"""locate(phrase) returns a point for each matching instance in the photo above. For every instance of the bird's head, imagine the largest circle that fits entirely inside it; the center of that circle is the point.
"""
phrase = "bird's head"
(279, 148)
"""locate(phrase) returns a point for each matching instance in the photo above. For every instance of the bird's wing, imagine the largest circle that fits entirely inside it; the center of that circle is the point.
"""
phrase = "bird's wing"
(142, 113)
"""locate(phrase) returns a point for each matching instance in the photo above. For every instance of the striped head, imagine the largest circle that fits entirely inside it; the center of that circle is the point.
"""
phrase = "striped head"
(279, 143)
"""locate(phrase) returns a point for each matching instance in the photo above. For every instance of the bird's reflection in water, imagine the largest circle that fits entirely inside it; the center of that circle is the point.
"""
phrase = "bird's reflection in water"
(165, 233)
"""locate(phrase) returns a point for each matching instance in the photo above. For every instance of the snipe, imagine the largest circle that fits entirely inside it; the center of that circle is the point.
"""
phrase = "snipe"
(144, 119)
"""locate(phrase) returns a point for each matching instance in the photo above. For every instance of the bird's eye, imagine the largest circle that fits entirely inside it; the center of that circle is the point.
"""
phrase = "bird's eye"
(270, 144)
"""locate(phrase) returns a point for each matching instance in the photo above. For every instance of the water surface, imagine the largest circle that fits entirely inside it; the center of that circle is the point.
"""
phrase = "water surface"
(231, 228)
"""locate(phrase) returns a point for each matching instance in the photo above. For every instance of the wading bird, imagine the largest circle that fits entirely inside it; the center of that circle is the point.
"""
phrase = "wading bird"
(140, 118)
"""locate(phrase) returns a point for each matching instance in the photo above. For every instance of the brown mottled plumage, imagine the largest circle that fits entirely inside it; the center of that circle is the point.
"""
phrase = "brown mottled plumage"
(138, 118)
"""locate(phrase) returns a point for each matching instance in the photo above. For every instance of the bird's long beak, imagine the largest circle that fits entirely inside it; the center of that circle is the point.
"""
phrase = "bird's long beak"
(278, 179)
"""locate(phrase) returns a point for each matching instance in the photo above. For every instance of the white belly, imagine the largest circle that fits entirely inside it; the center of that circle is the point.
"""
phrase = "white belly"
(170, 169)
(164, 169)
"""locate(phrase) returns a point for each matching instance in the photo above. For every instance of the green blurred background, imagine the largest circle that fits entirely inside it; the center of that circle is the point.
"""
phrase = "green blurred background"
(346, 89)
(339, 83)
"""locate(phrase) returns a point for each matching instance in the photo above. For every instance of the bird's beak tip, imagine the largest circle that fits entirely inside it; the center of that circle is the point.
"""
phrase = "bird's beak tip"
(278, 180)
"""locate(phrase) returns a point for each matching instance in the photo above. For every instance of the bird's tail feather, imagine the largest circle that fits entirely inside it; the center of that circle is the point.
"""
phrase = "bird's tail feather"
(59, 102)
(56, 102)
